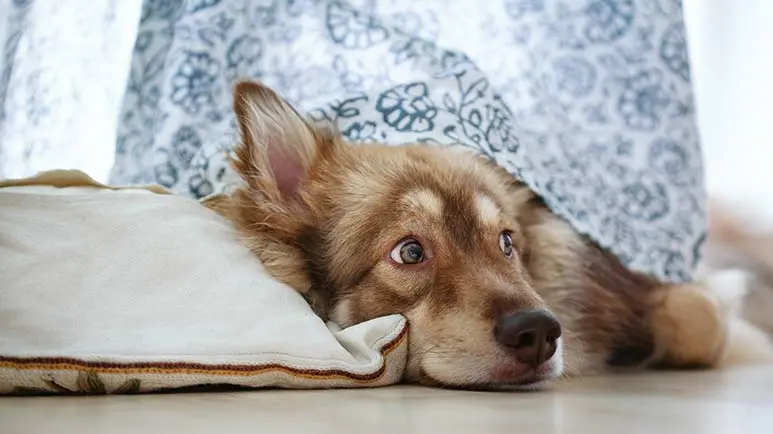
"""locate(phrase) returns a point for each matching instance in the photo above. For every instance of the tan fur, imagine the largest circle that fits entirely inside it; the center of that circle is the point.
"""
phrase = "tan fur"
(423, 201)
(327, 223)
(688, 325)
(488, 210)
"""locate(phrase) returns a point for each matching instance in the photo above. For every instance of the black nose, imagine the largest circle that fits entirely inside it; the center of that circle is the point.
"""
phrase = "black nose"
(531, 334)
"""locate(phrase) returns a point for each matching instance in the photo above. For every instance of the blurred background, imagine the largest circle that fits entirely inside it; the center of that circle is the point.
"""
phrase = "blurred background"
(729, 45)
(732, 62)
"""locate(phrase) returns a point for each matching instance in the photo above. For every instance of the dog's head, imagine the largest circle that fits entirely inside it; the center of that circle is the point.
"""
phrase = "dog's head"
(367, 231)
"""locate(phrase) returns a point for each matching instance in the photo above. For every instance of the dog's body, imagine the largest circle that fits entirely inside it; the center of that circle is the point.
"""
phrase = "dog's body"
(469, 255)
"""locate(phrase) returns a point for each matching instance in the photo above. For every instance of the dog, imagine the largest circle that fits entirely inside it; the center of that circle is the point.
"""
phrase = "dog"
(499, 292)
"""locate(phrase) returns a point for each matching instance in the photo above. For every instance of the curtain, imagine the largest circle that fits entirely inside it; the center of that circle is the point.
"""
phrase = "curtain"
(587, 101)
(63, 69)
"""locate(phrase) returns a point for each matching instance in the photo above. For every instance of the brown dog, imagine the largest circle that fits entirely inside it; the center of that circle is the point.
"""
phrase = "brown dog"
(499, 291)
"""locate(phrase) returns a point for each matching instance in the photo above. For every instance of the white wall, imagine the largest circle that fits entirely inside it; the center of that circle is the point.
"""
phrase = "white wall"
(731, 45)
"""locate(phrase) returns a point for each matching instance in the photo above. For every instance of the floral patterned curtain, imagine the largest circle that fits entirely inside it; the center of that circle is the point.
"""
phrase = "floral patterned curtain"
(588, 101)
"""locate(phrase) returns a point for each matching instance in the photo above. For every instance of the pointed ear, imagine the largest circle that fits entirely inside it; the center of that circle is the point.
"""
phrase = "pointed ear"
(277, 145)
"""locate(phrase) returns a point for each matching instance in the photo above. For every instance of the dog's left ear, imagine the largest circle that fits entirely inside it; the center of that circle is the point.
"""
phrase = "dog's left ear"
(276, 150)
(277, 145)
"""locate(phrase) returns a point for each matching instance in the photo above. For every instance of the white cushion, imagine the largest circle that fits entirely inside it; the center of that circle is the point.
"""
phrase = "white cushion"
(107, 290)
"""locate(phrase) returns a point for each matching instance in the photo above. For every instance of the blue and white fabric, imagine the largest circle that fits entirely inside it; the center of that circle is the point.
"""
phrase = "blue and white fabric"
(587, 101)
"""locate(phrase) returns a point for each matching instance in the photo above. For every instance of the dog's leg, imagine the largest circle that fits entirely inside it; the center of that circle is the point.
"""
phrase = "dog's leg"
(689, 326)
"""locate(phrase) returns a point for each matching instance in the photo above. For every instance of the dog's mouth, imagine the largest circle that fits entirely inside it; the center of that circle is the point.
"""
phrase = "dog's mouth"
(507, 376)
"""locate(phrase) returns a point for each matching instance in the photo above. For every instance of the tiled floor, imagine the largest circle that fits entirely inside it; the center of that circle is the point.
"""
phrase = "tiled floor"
(739, 401)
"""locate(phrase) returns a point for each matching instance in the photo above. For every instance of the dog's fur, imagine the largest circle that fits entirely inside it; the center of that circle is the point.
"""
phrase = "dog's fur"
(323, 215)
(740, 244)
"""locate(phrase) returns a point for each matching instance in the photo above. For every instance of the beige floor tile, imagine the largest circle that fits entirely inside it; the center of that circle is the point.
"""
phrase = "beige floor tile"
(739, 401)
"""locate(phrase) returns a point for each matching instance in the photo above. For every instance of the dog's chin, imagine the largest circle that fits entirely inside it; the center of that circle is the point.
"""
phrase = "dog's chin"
(506, 376)
(539, 379)
(530, 381)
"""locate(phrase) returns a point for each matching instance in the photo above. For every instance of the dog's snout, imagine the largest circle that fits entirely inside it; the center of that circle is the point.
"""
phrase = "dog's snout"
(532, 335)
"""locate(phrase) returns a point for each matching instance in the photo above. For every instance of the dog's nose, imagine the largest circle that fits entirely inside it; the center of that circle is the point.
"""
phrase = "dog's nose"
(532, 334)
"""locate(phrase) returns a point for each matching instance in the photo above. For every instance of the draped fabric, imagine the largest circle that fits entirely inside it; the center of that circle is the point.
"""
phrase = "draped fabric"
(587, 101)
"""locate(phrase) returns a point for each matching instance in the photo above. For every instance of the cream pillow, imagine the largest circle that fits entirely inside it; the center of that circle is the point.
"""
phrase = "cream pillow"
(131, 290)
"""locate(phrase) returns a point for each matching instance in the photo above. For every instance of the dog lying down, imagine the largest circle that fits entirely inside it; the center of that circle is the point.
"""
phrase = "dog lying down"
(499, 292)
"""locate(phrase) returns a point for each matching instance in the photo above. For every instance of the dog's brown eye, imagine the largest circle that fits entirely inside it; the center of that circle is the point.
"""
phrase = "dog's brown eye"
(506, 244)
(408, 252)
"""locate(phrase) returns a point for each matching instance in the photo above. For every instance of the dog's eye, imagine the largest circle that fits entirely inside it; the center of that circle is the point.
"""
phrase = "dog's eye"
(506, 244)
(408, 252)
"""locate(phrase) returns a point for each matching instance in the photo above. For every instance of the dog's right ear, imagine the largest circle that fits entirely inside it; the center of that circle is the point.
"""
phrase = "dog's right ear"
(277, 146)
